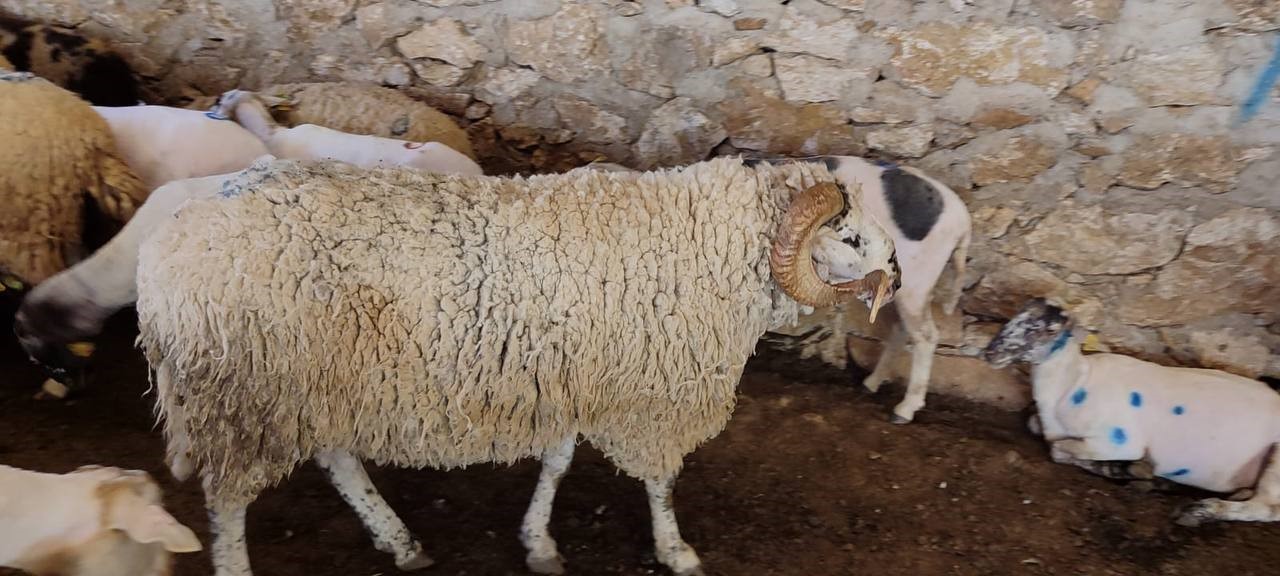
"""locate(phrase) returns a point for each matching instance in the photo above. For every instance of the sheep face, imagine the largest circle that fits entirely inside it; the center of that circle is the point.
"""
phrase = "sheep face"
(827, 249)
(1036, 332)
(54, 333)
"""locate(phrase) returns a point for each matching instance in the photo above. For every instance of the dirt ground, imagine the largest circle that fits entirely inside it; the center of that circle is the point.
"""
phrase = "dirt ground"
(808, 479)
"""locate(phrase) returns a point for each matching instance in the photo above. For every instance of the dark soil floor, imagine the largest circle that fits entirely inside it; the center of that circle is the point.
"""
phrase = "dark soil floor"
(808, 479)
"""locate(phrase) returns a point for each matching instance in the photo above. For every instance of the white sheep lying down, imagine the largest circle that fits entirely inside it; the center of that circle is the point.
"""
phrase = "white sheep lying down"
(314, 142)
(93, 521)
(1204, 428)
(480, 319)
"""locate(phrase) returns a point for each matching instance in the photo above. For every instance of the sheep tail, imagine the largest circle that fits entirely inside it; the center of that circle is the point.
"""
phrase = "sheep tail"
(121, 192)
(959, 256)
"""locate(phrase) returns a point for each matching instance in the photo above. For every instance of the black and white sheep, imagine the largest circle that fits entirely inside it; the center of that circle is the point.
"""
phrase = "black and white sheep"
(480, 319)
(87, 66)
(1204, 428)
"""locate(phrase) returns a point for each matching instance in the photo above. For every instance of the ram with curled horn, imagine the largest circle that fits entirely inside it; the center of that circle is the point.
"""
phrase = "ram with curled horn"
(319, 310)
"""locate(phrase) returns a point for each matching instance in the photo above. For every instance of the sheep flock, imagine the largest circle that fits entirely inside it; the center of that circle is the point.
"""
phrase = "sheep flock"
(323, 272)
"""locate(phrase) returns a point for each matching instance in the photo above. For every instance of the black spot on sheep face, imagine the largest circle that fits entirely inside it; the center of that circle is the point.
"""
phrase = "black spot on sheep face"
(1032, 335)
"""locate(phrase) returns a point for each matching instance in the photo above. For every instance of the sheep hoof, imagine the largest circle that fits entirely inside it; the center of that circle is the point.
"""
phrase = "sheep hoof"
(872, 384)
(695, 571)
(416, 562)
(549, 565)
(896, 419)
(1196, 514)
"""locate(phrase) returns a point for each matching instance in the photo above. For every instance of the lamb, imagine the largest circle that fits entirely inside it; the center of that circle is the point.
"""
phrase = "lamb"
(57, 151)
(95, 520)
(86, 66)
(359, 108)
(929, 224)
(312, 142)
(1204, 428)
(515, 315)
(164, 144)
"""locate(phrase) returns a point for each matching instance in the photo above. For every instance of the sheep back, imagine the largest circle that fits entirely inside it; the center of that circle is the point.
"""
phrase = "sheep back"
(429, 320)
(56, 150)
(369, 109)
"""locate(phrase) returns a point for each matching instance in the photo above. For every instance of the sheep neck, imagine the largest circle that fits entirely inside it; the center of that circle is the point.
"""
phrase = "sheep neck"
(1057, 375)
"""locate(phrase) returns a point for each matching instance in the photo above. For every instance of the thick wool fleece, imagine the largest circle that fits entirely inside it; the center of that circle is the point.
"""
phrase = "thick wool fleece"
(360, 108)
(441, 321)
(55, 150)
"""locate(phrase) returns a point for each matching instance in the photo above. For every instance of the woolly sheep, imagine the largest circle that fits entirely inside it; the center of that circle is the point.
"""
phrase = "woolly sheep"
(312, 142)
(95, 520)
(1204, 428)
(56, 151)
(480, 319)
(86, 66)
(164, 144)
(360, 108)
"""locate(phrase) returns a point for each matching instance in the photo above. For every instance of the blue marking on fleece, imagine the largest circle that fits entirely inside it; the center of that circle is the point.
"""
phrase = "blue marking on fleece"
(1179, 410)
(1118, 437)
(1135, 399)
(1262, 88)
(1079, 396)
(1176, 473)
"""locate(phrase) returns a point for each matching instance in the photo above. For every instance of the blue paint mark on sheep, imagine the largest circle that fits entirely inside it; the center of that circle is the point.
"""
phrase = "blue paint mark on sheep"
(1179, 410)
(1177, 473)
(1060, 343)
(1262, 88)
(215, 115)
(1079, 396)
(1135, 399)
(1118, 436)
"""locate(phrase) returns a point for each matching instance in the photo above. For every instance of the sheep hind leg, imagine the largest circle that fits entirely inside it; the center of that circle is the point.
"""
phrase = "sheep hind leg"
(543, 557)
(884, 364)
(669, 547)
(924, 340)
(1264, 506)
(389, 532)
(230, 552)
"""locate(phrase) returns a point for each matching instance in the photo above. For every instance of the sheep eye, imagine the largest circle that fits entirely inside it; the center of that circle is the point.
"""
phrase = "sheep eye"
(855, 243)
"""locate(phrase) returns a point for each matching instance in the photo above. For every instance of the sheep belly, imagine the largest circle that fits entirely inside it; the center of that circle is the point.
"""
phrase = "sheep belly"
(1198, 427)
(336, 322)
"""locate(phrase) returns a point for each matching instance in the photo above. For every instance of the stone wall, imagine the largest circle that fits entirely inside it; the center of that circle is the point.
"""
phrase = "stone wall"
(1095, 141)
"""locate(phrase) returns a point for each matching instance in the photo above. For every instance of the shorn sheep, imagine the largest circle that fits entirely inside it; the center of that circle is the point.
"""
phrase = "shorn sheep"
(86, 66)
(1204, 428)
(481, 319)
(313, 142)
(930, 225)
(93, 521)
(56, 152)
(359, 108)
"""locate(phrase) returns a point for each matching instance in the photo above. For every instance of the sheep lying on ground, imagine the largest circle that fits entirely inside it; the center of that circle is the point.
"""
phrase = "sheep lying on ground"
(86, 66)
(1204, 428)
(99, 521)
(56, 151)
(480, 319)
(360, 108)
(312, 142)
(930, 225)
(163, 144)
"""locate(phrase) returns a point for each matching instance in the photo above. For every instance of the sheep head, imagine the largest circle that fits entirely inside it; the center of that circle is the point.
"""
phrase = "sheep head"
(824, 233)
(1032, 335)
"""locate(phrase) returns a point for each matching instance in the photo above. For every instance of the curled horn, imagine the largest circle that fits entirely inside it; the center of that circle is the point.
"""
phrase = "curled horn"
(791, 259)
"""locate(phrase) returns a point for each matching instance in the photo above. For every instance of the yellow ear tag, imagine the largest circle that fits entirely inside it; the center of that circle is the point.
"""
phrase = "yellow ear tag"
(1092, 344)
(12, 282)
(81, 349)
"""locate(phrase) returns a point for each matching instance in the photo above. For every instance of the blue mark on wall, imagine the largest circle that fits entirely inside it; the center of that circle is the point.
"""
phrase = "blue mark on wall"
(1118, 437)
(1079, 396)
(1135, 399)
(1178, 410)
(1262, 88)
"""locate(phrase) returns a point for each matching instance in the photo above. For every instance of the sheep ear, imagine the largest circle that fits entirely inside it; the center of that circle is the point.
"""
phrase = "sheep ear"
(148, 523)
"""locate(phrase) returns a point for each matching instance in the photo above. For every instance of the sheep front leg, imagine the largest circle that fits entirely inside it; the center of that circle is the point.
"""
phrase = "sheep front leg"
(543, 557)
(1264, 506)
(880, 374)
(924, 340)
(390, 535)
(669, 547)
(230, 552)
